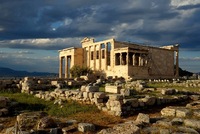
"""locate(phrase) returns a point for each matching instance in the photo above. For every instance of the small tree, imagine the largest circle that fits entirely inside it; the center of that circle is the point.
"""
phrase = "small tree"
(77, 71)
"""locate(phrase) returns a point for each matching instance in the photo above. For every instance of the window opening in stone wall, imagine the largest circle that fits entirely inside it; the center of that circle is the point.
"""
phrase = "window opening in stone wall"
(102, 45)
(68, 66)
(103, 54)
(144, 59)
(141, 60)
(63, 62)
(130, 59)
(123, 62)
(92, 55)
(137, 57)
(97, 54)
(108, 53)
(117, 59)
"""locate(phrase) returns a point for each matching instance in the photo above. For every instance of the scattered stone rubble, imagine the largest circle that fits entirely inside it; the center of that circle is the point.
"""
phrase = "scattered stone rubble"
(114, 104)
(182, 83)
(6, 106)
(10, 85)
(5, 103)
(173, 120)
(120, 99)
(115, 100)
(40, 122)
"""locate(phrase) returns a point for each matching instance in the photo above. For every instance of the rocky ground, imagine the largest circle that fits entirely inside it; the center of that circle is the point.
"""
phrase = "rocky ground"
(158, 110)
(167, 120)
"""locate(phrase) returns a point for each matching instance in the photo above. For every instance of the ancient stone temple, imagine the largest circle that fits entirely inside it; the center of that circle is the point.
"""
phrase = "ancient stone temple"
(121, 59)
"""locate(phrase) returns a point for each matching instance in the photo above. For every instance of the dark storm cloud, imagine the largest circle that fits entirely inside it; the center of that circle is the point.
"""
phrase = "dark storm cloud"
(154, 21)
(188, 7)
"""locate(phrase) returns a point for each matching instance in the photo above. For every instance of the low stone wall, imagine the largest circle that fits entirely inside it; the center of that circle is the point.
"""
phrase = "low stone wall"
(185, 83)
(113, 89)
(29, 84)
(10, 85)
(120, 103)
(114, 104)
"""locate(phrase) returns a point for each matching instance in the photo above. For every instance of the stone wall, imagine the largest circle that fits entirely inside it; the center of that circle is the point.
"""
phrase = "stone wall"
(11, 85)
(120, 103)
(29, 84)
(180, 83)
(114, 104)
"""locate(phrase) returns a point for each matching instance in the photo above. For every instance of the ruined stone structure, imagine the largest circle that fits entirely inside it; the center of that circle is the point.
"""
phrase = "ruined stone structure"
(121, 59)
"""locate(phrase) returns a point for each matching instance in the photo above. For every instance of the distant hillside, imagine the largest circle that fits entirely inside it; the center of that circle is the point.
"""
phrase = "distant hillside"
(7, 72)
(184, 72)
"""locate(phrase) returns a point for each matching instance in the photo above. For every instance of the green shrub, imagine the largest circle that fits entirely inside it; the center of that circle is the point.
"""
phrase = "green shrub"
(77, 71)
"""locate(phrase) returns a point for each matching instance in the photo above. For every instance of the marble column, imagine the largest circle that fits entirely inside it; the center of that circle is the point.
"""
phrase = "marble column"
(94, 57)
(60, 67)
(121, 59)
(133, 59)
(127, 59)
(99, 56)
(66, 67)
(140, 60)
(177, 64)
(89, 56)
(106, 56)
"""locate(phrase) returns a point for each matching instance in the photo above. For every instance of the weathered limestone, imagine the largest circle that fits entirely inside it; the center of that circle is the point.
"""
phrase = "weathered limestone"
(126, 92)
(176, 112)
(194, 105)
(114, 104)
(92, 89)
(143, 118)
(177, 121)
(3, 112)
(148, 100)
(124, 128)
(4, 105)
(182, 112)
(187, 83)
(192, 123)
(85, 127)
(187, 130)
(132, 102)
(67, 129)
(168, 111)
(26, 121)
(163, 123)
(168, 91)
(4, 102)
(29, 84)
(120, 59)
(46, 122)
(112, 89)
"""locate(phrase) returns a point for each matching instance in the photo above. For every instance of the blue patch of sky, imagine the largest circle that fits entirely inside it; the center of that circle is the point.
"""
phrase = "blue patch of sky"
(56, 25)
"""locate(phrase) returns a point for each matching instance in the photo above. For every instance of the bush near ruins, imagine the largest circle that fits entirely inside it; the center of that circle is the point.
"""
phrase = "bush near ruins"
(77, 71)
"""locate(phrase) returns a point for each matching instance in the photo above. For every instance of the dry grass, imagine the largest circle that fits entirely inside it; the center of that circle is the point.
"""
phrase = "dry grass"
(99, 119)
(167, 85)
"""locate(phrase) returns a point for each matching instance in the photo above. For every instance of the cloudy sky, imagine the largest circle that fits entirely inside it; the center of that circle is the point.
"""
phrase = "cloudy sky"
(32, 31)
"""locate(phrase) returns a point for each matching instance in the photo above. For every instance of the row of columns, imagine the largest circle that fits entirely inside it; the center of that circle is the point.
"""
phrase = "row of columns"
(88, 58)
(130, 59)
(66, 68)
